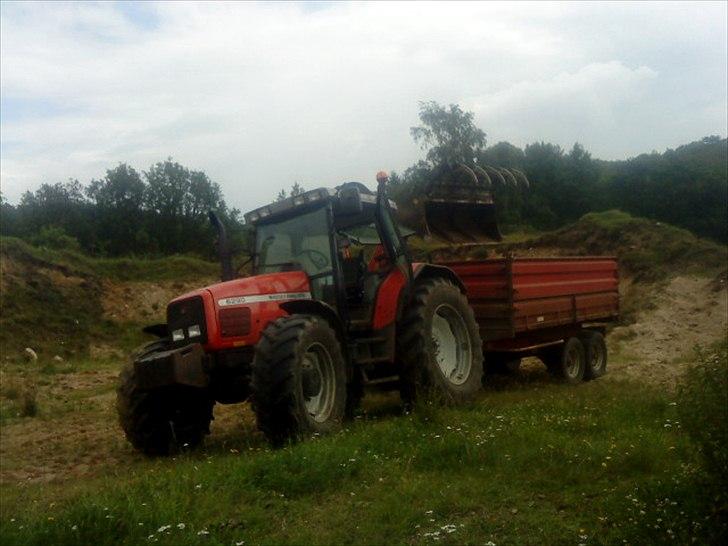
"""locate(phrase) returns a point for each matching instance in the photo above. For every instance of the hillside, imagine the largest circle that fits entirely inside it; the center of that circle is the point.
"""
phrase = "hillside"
(532, 461)
(67, 304)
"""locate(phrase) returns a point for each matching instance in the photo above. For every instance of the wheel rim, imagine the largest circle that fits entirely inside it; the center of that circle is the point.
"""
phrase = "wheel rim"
(573, 362)
(598, 357)
(318, 382)
(453, 351)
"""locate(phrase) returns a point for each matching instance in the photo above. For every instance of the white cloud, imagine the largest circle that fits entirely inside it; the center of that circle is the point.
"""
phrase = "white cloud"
(262, 95)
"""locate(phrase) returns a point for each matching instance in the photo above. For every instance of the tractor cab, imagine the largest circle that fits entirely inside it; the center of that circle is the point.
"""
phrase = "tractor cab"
(344, 239)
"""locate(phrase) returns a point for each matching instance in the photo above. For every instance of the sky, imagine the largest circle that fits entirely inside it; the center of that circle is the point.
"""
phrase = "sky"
(262, 95)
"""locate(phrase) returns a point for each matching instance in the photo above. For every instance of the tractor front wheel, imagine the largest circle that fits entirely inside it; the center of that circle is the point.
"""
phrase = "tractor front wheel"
(438, 345)
(165, 420)
(298, 379)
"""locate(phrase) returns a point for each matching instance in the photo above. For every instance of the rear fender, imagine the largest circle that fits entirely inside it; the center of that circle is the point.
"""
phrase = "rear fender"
(430, 271)
(392, 293)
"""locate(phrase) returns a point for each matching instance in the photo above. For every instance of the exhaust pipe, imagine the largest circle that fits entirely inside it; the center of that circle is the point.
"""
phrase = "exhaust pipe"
(223, 248)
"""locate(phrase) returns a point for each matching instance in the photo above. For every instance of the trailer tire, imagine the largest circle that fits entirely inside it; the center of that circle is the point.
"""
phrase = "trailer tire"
(596, 355)
(567, 362)
(439, 314)
(298, 379)
(161, 421)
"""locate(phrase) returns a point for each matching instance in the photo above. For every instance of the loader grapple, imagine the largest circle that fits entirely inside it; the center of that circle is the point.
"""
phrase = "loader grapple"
(458, 203)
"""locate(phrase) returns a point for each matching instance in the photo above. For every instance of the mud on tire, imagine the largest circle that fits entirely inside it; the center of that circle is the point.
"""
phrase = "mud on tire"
(450, 373)
(161, 421)
(298, 379)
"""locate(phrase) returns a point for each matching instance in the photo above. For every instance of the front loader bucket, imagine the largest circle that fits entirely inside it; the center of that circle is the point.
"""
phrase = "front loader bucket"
(459, 207)
(462, 221)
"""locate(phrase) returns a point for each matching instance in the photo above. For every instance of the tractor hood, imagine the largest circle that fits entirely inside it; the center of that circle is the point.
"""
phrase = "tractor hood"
(233, 314)
(270, 287)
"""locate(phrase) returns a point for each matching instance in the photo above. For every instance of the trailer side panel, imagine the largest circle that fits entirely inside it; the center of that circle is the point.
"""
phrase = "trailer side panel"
(512, 296)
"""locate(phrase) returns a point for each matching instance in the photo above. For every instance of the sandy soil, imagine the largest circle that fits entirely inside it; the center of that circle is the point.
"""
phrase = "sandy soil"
(688, 312)
(142, 301)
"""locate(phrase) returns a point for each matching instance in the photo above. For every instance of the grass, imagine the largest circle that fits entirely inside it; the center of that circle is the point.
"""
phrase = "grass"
(647, 250)
(537, 463)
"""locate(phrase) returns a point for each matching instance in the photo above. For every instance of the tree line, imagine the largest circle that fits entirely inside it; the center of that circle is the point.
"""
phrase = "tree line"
(163, 210)
(687, 186)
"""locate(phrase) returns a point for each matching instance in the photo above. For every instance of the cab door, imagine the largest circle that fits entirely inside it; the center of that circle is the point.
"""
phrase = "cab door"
(393, 242)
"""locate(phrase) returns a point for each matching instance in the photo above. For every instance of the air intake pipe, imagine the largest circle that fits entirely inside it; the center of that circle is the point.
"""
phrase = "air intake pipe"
(223, 248)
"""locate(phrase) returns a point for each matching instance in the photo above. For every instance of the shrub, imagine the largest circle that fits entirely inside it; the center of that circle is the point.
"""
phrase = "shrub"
(56, 238)
(704, 410)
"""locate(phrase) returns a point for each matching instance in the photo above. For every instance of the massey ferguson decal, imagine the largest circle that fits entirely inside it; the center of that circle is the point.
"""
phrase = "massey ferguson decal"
(239, 300)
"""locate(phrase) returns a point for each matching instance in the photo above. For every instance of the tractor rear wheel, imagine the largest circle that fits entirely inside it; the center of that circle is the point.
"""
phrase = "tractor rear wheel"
(298, 379)
(161, 421)
(438, 345)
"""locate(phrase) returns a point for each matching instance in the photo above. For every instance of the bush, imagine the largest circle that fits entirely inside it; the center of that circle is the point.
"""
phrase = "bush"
(56, 238)
(704, 410)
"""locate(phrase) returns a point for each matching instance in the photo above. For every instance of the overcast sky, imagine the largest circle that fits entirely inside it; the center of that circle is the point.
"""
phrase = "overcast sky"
(263, 95)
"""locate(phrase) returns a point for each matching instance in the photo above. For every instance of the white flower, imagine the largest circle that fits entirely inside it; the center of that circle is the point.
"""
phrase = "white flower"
(203, 532)
(164, 528)
(74, 528)
(240, 543)
(180, 526)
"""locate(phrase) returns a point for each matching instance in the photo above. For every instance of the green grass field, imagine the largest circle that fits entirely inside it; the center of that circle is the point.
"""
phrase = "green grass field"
(532, 462)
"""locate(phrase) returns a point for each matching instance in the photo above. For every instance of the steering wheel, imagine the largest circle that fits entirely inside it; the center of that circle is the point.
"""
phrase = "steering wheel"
(318, 259)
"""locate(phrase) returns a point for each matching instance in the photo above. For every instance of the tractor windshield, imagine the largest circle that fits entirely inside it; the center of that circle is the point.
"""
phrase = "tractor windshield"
(298, 243)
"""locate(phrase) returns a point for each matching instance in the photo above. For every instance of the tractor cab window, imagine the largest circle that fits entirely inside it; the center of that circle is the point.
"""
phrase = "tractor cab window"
(300, 243)
(364, 264)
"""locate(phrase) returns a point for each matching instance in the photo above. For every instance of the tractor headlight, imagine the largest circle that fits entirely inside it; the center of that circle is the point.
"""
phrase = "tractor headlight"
(194, 330)
(178, 335)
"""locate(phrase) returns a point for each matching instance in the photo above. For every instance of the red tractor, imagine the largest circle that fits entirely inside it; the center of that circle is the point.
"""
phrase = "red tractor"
(335, 304)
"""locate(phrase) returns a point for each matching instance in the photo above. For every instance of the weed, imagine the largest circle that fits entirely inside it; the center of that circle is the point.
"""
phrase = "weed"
(28, 401)
(704, 410)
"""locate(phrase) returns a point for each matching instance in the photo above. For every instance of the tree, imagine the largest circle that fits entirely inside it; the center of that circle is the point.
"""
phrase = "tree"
(119, 198)
(448, 134)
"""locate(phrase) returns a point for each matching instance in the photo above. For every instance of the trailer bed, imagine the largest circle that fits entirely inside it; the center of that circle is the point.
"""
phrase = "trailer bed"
(537, 297)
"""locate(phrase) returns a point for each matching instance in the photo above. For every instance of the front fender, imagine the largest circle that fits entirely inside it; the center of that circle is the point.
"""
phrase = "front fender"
(316, 307)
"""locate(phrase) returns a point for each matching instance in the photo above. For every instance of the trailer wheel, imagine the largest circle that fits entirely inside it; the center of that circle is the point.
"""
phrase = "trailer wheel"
(298, 379)
(567, 362)
(161, 421)
(438, 345)
(596, 355)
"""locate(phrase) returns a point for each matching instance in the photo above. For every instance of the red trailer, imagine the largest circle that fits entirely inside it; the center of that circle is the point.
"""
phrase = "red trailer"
(533, 306)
